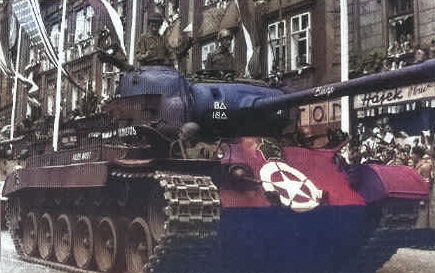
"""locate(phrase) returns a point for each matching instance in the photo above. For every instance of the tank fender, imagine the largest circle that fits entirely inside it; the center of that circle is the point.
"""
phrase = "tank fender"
(375, 182)
(68, 176)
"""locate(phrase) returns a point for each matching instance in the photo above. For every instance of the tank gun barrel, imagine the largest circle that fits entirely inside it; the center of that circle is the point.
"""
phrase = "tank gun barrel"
(414, 74)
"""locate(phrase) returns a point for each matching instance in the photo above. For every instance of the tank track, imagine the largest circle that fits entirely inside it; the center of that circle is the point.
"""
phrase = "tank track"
(17, 241)
(394, 229)
(192, 210)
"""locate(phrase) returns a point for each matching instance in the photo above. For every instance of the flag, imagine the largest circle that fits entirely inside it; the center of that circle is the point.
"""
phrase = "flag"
(117, 24)
(5, 66)
(29, 17)
(250, 21)
(177, 40)
(108, 17)
(8, 31)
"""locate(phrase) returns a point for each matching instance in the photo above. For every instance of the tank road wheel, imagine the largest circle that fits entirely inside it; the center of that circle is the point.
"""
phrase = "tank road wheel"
(156, 213)
(30, 232)
(63, 239)
(83, 242)
(139, 245)
(45, 236)
(106, 245)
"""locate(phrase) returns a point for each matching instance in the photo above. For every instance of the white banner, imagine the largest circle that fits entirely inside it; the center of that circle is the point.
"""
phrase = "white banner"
(395, 96)
(117, 23)
(5, 67)
(26, 17)
(29, 17)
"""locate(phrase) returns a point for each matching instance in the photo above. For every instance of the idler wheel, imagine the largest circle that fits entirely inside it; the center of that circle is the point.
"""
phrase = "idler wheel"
(30, 232)
(139, 245)
(83, 242)
(106, 245)
(63, 239)
(156, 213)
(45, 236)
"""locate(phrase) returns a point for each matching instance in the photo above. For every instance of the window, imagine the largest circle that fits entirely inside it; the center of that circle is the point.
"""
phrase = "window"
(401, 27)
(28, 110)
(401, 7)
(50, 105)
(110, 76)
(84, 24)
(218, 3)
(300, 41)
(74, 99)
(210, 2)
(205, 50)
(276, 57)
(54, 35)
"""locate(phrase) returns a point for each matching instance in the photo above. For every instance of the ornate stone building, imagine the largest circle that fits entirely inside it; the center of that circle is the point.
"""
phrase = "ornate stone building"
(5, 81)
(390, 34)
(296, 41)
(299, 41)
(87, 74)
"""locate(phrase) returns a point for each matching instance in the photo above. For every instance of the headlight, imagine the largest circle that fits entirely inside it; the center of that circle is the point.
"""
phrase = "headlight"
(241, 173)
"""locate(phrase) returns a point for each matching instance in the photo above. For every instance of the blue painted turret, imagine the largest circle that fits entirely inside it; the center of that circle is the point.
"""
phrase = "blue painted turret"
(161, 97)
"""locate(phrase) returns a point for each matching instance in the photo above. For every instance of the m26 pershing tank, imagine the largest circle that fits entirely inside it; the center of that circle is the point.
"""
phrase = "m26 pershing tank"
(199, 177)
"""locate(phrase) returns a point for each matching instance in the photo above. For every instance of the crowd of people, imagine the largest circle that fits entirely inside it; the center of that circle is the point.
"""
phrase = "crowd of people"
(380, 145)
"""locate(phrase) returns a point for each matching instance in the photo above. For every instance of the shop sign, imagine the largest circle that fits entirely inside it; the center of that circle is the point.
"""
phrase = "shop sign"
(395, 96)
(320, 113)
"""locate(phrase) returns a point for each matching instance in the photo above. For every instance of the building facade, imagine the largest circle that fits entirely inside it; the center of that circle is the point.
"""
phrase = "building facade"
(86, 76)
(387, 35)
(6, 82)
(299, 41)
(296, 42)
(295, 39)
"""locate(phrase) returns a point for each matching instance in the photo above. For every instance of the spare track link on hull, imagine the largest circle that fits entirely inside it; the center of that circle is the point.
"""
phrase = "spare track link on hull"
(193, 213)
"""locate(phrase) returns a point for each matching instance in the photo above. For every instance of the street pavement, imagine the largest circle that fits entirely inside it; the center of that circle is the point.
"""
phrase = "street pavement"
(11, 263)
(404, 261)
(408, 260)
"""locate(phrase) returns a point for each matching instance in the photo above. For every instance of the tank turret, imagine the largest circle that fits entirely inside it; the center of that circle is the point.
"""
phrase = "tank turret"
(166, 100)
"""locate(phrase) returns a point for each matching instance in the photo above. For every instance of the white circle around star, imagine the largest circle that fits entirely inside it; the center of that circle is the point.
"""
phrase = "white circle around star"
(295, 189)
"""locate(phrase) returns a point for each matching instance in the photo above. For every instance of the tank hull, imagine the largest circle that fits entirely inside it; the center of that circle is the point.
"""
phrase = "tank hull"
(273, 239)
(276, 240)
(296, 213)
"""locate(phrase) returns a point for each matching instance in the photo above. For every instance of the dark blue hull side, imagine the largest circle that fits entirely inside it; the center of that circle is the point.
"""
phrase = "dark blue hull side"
(274, 239)
(278, 240)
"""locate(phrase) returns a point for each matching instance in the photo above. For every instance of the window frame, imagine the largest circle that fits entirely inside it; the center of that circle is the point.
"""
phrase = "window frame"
(74, 98)
(295, 39)
(207, 3)
(50, 105)
(213, 3)
(397, 7)
(277, 42)
(399, 35)
(55, 35)
(211, 47)
(84, 21)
